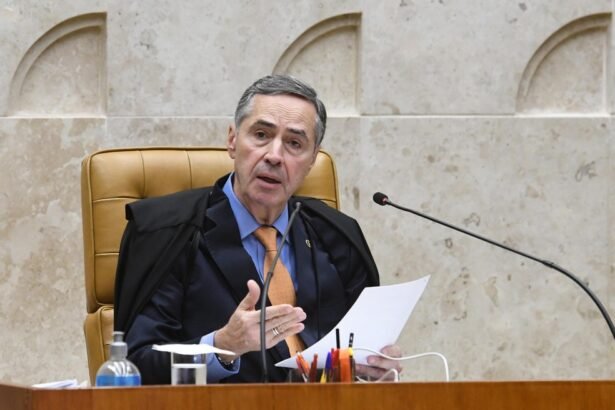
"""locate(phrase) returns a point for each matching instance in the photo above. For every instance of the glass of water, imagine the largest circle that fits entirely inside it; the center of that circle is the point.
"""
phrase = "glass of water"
(188, 369)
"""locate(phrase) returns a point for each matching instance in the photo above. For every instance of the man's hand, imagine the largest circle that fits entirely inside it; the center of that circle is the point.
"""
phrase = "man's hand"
(242, 332)
(378, 366)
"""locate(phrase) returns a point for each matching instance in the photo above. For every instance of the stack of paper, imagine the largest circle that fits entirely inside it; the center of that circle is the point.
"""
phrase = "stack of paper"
(61, 384)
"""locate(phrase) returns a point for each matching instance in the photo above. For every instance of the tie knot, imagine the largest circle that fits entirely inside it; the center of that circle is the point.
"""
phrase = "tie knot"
(267, 235)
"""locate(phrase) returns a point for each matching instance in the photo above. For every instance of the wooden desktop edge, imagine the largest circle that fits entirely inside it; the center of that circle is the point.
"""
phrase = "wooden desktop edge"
(526, 395)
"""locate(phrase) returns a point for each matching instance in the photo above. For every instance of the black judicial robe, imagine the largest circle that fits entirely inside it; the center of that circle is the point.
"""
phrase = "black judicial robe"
(182, 271)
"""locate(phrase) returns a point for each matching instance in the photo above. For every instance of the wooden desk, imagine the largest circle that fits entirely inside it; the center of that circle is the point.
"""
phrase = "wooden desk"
(524, 395)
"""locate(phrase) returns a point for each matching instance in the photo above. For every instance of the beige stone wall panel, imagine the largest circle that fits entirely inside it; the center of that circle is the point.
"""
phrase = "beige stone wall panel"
(445, 57)
(42, 301)
(495, 315)
(222, 50)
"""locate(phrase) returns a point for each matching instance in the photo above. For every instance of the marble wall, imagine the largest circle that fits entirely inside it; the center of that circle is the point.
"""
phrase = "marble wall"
(495, 116)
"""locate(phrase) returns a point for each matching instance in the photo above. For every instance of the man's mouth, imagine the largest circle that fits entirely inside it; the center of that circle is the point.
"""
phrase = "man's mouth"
(269, 180)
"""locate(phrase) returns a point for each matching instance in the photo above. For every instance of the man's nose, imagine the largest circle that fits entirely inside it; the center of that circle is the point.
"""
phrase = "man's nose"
(275, 151)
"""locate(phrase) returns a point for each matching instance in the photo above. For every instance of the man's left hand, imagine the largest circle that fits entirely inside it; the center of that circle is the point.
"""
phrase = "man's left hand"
(377, 366)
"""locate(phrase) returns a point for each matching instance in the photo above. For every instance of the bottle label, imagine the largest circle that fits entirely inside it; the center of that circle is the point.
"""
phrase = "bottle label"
(114, 380)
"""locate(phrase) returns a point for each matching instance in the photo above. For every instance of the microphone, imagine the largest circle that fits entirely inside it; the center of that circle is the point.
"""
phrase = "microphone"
(265, 291)
(382, 199)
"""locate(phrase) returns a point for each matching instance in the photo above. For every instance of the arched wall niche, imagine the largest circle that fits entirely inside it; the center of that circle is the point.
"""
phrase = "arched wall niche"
(63, 72)
(567, 73)
(326, 55)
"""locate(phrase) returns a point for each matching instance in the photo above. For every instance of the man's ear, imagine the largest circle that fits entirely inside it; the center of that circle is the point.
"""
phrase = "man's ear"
(314, 155)
(231, 140)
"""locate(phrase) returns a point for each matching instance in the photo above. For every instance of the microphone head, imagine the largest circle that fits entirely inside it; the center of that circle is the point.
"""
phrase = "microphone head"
(381, 199)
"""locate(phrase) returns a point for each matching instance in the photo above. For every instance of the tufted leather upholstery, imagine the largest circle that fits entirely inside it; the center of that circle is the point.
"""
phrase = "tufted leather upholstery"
(112, 178)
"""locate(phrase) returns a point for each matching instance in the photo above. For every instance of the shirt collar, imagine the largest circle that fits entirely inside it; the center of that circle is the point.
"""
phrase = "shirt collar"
(246, 222)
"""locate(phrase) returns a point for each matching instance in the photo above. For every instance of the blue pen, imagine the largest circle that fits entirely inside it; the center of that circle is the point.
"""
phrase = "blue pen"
(327, 371)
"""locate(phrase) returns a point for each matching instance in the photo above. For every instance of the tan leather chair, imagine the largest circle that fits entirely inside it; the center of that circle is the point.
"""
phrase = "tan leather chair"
(112, 178)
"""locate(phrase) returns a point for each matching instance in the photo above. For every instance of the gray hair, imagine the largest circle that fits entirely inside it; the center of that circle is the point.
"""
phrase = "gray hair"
(282, 84)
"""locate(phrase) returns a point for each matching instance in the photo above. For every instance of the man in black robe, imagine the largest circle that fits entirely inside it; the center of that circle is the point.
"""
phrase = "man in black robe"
(192, 265)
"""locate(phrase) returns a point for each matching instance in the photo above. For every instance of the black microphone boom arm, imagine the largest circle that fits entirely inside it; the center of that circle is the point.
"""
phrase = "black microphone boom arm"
(382, 199)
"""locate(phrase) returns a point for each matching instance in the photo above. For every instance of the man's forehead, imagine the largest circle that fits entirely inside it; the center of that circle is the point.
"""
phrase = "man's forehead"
(284, 110)
(283, 100)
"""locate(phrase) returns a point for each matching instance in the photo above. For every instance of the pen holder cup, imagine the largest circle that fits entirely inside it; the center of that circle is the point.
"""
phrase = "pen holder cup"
(340, 367)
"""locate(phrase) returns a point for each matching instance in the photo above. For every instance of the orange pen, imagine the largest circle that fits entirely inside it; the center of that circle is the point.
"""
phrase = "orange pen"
(345, 372)
(303, 365)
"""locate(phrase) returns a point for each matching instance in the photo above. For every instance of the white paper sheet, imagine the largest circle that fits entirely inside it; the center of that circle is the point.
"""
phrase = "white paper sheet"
(376, 319)
(60, 384)
(190, 349)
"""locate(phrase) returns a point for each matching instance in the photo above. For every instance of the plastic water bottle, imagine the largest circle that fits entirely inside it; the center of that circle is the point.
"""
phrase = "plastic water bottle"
(118, 371)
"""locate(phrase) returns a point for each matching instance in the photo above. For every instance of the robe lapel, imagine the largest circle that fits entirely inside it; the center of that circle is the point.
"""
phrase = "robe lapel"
(306, 277)
(223, 242)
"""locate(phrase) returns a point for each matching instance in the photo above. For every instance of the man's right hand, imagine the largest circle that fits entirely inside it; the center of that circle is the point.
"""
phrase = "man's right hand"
(242, 332)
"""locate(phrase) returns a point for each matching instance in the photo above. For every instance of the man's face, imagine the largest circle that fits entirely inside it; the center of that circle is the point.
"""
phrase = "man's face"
(274, 149)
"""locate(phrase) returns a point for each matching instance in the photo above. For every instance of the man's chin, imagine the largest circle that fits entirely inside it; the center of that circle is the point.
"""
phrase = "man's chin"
(269, 199)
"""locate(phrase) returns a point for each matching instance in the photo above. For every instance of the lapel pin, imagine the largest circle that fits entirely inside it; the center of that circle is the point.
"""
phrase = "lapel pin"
(307, 242)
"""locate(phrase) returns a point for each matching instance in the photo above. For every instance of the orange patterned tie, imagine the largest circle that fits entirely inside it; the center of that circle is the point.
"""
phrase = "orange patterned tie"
(281, 288)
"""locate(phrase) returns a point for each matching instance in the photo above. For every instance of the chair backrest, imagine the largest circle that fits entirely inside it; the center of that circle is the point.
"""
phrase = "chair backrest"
(112, 178)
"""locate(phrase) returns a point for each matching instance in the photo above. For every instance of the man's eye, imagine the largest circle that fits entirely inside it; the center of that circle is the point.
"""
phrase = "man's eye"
(260, 135)
(295, 144)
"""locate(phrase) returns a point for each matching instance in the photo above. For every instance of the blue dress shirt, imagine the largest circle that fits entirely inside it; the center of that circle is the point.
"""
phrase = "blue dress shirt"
(247, 226)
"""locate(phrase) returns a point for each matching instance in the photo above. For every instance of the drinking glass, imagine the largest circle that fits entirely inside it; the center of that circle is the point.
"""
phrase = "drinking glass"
(188, 369)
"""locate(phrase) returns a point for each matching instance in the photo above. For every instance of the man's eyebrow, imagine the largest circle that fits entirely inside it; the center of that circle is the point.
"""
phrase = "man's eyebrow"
(264, 123)
(298, 132)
